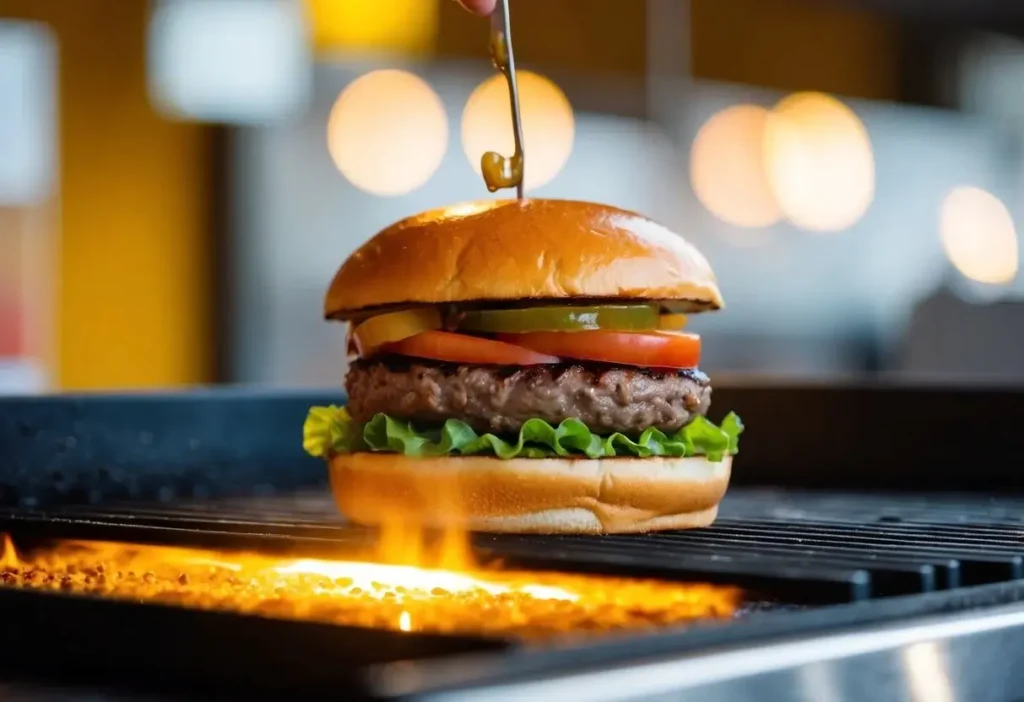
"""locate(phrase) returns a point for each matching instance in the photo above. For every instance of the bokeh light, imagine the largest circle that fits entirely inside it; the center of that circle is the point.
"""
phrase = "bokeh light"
(978, 235)
(388, 132)
(727, 167)
(819, 161)
(549, 127)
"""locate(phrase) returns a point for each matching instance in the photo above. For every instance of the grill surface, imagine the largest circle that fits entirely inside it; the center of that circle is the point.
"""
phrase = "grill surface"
(224, 469)
(800, 551)
(806, 548)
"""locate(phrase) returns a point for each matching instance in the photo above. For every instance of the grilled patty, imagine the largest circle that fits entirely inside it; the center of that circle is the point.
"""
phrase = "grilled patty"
(499, 399)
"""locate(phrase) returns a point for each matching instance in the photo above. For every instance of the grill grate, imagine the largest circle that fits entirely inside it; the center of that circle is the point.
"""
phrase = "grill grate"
(790, 551)
(833, 547)
(798, 547)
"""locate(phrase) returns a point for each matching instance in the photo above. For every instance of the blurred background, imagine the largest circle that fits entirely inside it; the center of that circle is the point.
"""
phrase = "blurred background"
(179, 179)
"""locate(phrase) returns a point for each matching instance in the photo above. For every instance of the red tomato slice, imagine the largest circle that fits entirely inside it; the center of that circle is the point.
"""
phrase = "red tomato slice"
(462, 348)
(657, 349)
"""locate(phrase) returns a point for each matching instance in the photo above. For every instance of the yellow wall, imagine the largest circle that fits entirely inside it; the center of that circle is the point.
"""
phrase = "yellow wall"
(134, 299)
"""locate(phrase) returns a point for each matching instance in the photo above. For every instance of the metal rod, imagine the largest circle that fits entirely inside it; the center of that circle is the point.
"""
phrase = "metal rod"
(504, 60)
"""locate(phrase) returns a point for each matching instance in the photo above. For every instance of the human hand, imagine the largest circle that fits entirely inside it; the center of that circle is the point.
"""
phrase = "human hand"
(478, 7)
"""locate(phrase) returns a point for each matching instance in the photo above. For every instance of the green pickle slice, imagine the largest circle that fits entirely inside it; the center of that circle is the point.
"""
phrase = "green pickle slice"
(561, 318)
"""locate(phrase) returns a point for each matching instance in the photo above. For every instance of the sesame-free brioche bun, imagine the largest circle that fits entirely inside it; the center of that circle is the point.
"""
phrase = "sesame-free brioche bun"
(531, 495)
(505, 250)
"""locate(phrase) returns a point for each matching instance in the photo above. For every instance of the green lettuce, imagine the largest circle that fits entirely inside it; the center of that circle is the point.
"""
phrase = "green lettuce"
(330, 430)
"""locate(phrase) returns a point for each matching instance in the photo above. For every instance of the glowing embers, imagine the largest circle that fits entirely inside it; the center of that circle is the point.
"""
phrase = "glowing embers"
(527, 605)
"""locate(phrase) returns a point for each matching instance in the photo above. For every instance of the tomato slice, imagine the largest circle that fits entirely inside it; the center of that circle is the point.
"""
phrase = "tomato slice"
(462, 348)
(658, 349)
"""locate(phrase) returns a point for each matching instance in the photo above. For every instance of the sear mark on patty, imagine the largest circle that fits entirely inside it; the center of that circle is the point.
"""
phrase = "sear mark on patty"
(499, 399)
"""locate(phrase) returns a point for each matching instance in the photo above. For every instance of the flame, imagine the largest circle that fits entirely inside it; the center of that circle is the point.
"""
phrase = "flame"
(364, 592)
(407, 542)
(9, 555)
(369, 576)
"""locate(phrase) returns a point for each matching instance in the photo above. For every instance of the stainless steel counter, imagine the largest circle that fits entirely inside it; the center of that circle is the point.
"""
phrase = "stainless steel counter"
(975, 657)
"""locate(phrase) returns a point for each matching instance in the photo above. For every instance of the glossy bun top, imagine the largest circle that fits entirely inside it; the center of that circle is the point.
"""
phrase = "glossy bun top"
(507, 250)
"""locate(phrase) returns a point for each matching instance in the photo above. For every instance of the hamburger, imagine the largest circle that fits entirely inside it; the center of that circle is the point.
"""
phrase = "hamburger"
(523, 366)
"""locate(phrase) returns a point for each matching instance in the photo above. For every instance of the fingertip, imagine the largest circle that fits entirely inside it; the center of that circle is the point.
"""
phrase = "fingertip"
(479, 7)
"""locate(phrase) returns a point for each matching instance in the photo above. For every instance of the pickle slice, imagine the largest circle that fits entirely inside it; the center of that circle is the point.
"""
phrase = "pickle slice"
(388, 328)
(558, 318)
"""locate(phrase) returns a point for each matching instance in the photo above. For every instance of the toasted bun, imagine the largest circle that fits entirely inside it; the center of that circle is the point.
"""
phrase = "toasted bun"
(512, 250)
(531, 495)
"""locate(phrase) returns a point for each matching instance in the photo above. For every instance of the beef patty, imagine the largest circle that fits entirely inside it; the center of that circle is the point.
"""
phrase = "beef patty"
(499, 399)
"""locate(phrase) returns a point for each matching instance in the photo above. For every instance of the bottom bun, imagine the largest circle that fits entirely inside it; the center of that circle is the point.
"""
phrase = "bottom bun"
(531, 495)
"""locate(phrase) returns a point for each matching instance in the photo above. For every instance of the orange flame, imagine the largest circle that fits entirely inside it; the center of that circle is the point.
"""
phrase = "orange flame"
(364, 592)
(9, 555)
(407, 542)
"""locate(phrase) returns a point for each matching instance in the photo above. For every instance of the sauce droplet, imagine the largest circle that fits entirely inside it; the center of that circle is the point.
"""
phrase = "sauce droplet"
(501, 172)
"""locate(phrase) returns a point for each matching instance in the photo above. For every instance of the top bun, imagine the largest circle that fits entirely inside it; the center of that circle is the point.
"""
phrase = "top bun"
(523, 250)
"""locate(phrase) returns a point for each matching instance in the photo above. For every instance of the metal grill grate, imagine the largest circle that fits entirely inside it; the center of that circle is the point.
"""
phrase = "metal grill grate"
(800, 548)
(817, 548)
(790, 551)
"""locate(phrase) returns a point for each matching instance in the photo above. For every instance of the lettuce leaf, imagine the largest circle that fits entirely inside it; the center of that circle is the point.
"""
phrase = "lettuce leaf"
(330, 430)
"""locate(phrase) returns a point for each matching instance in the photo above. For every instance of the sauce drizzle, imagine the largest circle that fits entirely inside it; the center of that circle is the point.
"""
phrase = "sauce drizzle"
(500, 171)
